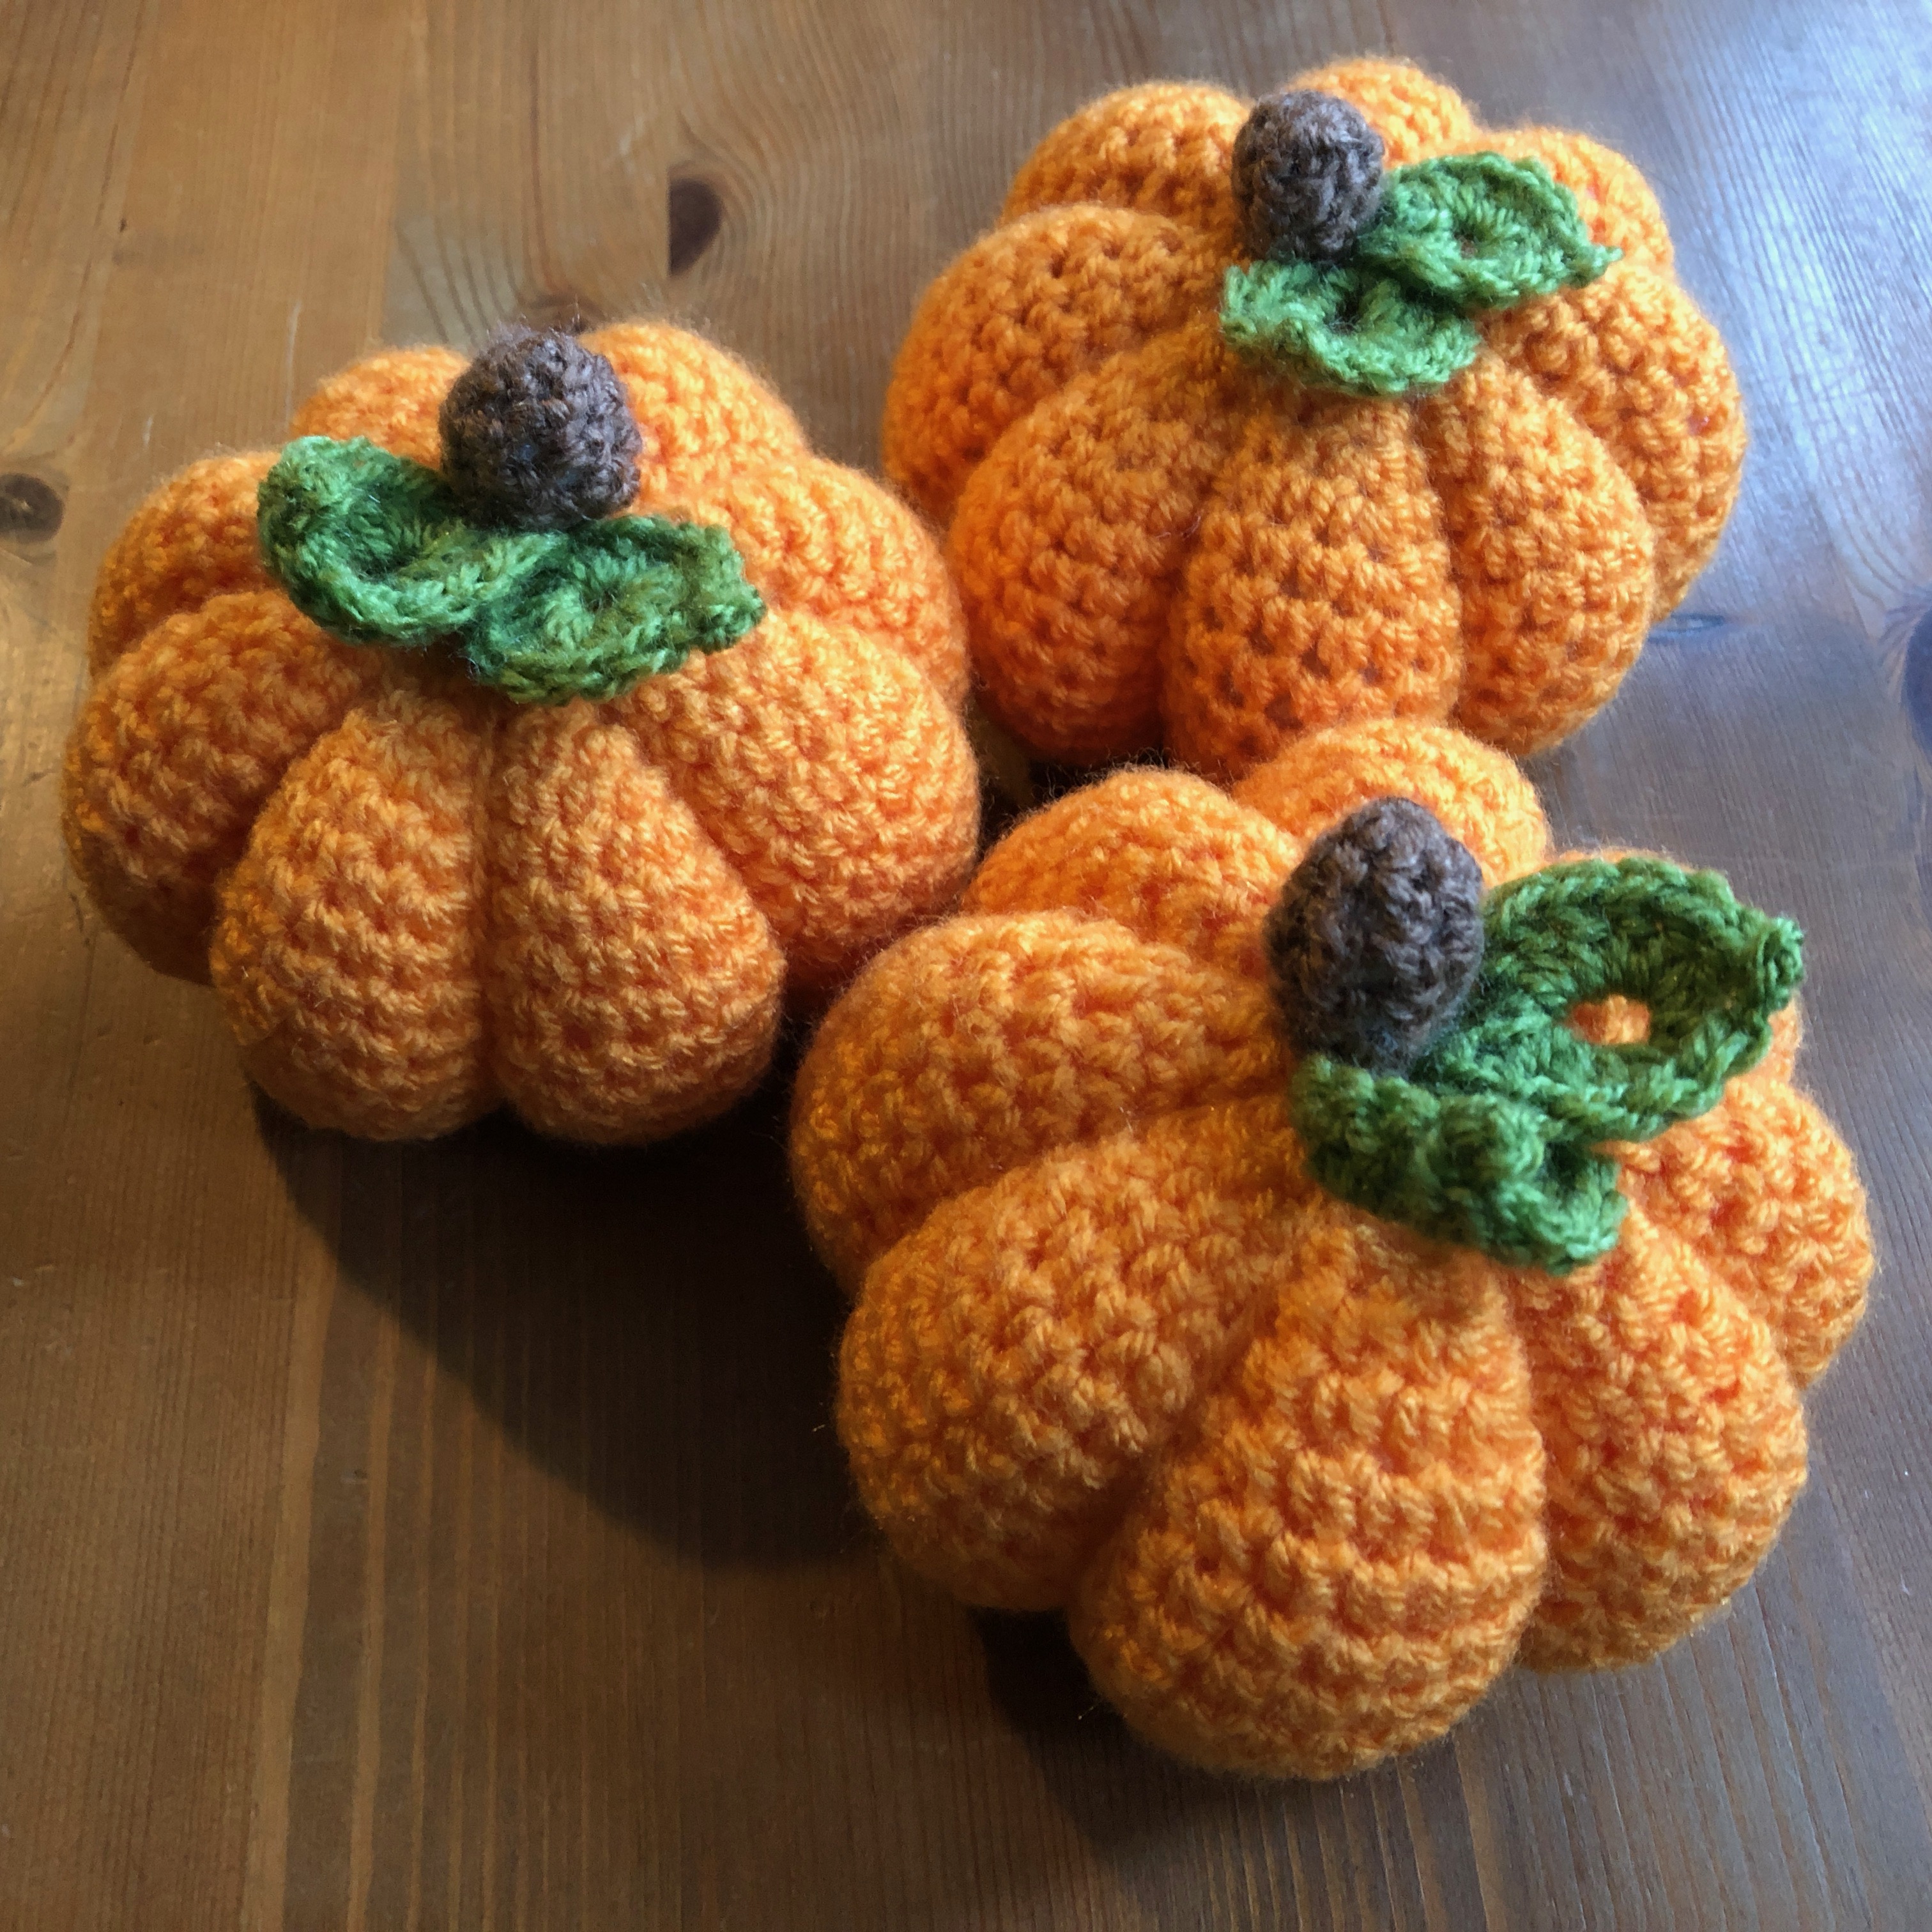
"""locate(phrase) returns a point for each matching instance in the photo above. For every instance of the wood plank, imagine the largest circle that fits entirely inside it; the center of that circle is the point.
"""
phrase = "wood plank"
(202, 242)
(406, 1537)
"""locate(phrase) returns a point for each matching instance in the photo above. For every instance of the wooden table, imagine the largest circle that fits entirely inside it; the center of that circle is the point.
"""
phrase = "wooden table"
(454, 1536)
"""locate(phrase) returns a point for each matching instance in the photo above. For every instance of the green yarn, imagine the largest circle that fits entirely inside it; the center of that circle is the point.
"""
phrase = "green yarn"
(1493, 1139)
(1480, 232)
(1454, 237)
(374, 548)
(1357, 328)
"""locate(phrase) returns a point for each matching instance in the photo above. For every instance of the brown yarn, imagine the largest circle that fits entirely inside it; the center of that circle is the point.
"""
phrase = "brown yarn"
(1377, 936)
(537, 433)
(1307, 175)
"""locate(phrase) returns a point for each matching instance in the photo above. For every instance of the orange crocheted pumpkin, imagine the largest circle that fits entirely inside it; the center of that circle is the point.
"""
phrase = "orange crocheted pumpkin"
(421, 887)
(1165, 532)
(1304, 1481)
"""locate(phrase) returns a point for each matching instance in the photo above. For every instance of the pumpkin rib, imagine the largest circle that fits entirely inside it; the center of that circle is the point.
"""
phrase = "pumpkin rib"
(819, 539)
(1162, 148)
(1417, 117)
(176, 749)
(1675, 1444)
(1477, 792)
(1340, 1555)
(1318, 588)
(1014, 1362)
(393, 398)
(704, 414)
(633, 989)
(1070, 539)
(344, 955)
(192, 539)
(974, 1047)
(1635, 364)
(1615, 200)
(1780, 1062)
(1165, 854)
(1552, 554)
(1765, 1195)
(1017, 317)
(809, 754)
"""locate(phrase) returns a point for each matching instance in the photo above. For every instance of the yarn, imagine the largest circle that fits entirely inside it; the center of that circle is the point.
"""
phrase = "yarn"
(1306, 176)
(1162, 539)
(1303, 1483)
(1453, 235)
(1377, 938)
(1482, 232)
(1490, 1140)
(418, 899)
(1344, 328)
(537, 435)
(377, 549)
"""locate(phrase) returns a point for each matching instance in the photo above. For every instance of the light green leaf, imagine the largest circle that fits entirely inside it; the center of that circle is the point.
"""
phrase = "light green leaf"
(1481, 232)
(1344, 328)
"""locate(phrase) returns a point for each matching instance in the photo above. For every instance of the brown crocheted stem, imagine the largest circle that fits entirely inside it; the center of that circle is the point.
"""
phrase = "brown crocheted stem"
(1307, 176)
(1377, 938)
(538, 433)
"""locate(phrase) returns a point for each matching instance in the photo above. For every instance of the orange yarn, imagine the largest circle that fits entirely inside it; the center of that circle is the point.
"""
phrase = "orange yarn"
(1304, 1483)
(1158, 541)
(416, 899)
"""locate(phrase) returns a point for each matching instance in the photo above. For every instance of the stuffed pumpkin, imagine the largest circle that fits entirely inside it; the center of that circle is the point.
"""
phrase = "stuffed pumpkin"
(1249, 419)
(1327, 1248)
(523, 731)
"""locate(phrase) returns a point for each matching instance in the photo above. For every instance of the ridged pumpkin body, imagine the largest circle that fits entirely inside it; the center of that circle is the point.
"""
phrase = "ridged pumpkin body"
(1303, 1483)
(417, 899)
(1159, 540)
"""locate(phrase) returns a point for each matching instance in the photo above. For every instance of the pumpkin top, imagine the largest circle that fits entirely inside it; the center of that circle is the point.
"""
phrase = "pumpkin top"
(537, 434)
(1377, 936)
(1367, 284)
(502, 552)
(1306, 173)
(1467, 1109)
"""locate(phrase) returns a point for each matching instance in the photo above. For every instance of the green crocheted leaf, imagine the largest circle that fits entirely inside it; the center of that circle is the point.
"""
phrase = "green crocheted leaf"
(1481, 232)
(374, 548)
(1344, 328)
(1453, 237)
(1495, 1138)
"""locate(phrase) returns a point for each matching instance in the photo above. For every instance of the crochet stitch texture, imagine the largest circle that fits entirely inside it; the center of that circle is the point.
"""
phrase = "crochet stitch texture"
(1492, 1138)
(377, 549)
(537, 433)
(417, 899)
(1159, 539)
(1303, 1483)
(1377, 936)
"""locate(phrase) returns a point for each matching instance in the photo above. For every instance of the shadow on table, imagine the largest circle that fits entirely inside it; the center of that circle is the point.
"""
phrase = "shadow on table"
(1136, 1806)
(648, 1323)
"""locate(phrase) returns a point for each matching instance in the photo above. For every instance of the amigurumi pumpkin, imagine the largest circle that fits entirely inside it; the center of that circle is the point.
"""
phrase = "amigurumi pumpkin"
(539, 777)
(1251, 420)
(1250, 1259)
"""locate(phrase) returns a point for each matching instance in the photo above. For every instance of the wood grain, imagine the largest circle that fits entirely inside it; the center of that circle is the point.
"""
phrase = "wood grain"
(453, 1535)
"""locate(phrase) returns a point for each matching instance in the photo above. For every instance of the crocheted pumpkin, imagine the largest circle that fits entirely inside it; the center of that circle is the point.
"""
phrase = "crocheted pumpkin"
(480, 795)
(1248, 422)
(1304, 1478)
